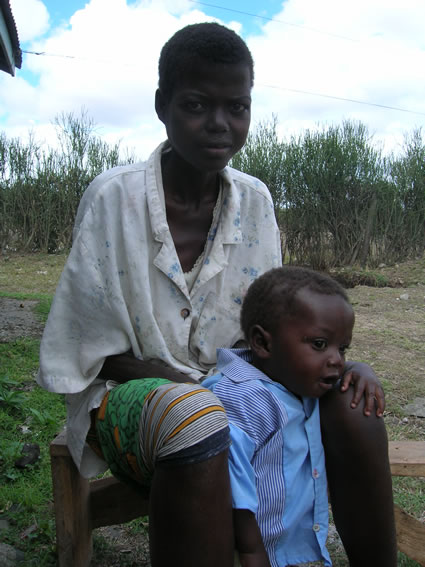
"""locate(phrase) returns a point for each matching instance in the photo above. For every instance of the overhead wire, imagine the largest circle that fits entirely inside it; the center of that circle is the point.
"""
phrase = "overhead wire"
(268, 19)
(276, 87)
(344, 99)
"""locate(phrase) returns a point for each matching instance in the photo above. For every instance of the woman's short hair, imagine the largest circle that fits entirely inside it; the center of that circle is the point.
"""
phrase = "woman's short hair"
(198, 43)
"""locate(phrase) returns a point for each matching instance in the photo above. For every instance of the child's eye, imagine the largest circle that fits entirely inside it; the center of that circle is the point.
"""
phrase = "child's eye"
(320, 344)
(343, 348)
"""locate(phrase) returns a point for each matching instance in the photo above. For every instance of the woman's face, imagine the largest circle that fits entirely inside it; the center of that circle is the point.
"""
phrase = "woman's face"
(208, 114)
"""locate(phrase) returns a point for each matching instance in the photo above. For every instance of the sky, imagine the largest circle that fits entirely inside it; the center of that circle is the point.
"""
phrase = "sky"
(317, 63)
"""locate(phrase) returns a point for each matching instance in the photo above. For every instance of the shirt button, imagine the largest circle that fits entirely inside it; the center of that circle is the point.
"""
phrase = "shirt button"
(185, 313)
(316, 528)
(316, 473)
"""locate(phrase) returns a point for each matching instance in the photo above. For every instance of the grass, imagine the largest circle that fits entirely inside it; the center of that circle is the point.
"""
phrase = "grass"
(37, 415)
(389, 334)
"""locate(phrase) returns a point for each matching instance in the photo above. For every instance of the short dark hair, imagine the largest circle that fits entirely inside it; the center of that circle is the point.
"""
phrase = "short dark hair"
(272, 296)
(207, 41)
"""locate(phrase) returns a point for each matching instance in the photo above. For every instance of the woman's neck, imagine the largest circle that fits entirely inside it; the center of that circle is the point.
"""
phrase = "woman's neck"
(186, 185)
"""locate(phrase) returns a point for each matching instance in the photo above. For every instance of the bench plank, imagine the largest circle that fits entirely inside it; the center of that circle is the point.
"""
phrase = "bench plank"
(113, 502)
(410, 535)
(407, 458)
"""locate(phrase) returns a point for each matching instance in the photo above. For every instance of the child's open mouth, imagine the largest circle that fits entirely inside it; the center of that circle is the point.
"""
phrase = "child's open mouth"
(329, 382)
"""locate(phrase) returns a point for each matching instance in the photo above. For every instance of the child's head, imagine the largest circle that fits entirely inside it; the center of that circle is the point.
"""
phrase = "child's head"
(299, 325)
(204, 97)
(200, 45)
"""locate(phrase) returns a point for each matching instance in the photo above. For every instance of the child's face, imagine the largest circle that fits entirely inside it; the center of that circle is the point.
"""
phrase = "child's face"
(308, 351)
(208, 115)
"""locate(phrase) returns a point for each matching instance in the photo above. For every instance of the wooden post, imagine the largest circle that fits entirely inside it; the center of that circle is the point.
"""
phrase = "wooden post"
(71, 493)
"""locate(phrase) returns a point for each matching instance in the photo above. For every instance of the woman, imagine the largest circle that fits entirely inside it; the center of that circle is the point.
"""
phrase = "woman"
(163, 253)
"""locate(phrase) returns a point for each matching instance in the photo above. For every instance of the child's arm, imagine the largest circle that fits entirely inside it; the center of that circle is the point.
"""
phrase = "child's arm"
(248, 541)
(365, 384)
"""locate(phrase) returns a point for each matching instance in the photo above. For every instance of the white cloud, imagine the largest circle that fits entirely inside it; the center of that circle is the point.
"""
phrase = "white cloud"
(377, 59)
(31, 18)
(105, 60)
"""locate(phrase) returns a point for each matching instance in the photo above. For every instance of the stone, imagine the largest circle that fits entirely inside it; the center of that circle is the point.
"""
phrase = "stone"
(416, 408)
(31, 454)
(9, 556)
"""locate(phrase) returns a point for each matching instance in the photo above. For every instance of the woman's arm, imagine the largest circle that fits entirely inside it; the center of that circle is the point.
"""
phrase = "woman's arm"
(125, 367)
(248, 540)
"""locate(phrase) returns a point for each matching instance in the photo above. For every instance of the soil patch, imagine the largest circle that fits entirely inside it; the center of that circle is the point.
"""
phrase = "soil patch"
(17, 320)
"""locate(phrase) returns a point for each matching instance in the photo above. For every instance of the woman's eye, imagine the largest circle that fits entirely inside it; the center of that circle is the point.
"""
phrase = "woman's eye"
(320, 344)
(238, 107)
(194, 106)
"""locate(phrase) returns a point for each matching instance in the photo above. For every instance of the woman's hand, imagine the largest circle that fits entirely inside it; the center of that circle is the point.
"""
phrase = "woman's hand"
(366, 384)
(124, 367)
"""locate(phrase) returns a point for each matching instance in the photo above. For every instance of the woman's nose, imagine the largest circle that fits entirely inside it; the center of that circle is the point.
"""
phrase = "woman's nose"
(217, 120)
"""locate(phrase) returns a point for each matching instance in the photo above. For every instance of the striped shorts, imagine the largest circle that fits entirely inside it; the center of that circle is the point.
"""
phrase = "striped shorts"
(144, 424)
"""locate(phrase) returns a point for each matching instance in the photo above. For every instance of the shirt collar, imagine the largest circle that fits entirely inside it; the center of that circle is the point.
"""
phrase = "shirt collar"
(236, 364)
(230, 231)
(230, 225)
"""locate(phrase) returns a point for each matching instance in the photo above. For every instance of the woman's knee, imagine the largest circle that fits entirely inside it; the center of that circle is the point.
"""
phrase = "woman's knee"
(347, 428)
(182, 424)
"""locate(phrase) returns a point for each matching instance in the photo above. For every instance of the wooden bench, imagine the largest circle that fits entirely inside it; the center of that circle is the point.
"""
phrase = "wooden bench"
(81, 505)
(407, 458)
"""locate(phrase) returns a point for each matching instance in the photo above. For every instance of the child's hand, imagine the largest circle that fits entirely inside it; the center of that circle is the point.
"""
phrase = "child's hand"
(248, 540)
(366, 384)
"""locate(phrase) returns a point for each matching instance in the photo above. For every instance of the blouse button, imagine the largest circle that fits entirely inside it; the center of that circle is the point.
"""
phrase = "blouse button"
(316, 473)
(185, 313)
(316, 528)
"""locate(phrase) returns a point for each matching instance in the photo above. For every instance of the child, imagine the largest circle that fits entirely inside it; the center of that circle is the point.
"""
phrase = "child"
(298, 324)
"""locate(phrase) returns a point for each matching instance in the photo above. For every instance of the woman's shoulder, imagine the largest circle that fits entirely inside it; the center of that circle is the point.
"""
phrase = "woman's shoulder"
(116, 175)
(245, 181)
(110, 185)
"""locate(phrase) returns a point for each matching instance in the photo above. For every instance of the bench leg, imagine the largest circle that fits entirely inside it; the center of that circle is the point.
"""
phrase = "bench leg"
(71, 495)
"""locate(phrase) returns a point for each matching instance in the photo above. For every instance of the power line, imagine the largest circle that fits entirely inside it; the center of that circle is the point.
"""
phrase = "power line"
(267, 19)
(43, 53)
(344, 99)
(275, 87)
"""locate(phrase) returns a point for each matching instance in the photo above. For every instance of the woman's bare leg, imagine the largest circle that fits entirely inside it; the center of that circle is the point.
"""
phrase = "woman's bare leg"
(190, 520)
(359, 478)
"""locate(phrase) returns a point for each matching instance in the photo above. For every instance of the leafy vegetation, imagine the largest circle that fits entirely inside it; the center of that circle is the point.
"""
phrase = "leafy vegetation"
(338, 201)
(40, 189)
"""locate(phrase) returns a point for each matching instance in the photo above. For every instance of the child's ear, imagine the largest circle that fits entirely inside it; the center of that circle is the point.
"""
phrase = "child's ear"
(160, 105)
(260, 341)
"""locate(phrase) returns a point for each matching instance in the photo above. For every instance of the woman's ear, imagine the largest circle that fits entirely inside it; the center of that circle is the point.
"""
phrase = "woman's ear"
(160, 105)
(260, 342)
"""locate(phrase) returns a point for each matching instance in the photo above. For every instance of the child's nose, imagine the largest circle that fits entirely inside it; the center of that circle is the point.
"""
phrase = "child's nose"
(336, 358)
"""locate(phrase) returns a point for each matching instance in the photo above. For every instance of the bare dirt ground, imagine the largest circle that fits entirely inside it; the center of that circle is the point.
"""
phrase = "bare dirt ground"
(389, 334)
(17, 319)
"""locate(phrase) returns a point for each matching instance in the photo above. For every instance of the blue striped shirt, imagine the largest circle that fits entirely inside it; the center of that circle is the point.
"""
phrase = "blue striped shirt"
(276, 461)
